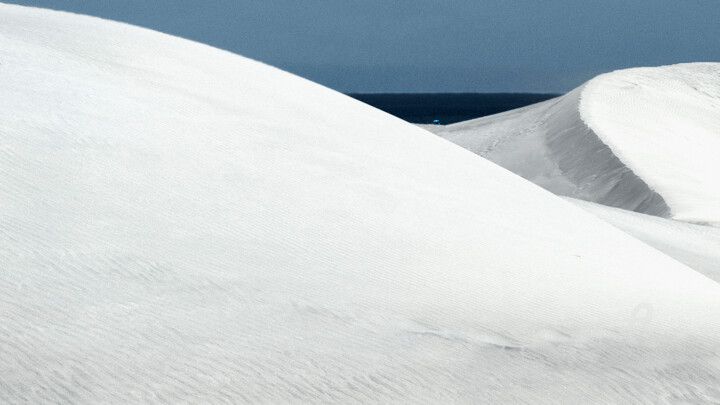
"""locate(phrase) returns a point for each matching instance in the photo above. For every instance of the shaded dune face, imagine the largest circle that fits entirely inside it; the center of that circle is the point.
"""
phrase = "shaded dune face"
(640, 139)
(549, 144)
(180, 224)
(664, 123)
(589, 164)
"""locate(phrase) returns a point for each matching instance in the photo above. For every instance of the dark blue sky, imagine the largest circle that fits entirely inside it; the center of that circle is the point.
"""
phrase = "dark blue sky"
(435, 45)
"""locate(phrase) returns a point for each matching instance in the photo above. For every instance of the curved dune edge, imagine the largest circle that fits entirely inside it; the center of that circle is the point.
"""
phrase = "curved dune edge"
(588, 162)
(180, 224)
(664, 124)
(549, 144)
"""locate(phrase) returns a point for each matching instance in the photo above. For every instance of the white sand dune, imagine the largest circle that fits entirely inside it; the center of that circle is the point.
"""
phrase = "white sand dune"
(642, 139)
(183, 225)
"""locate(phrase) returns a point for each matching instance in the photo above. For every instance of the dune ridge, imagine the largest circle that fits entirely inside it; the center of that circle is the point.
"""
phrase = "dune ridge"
(638, 139)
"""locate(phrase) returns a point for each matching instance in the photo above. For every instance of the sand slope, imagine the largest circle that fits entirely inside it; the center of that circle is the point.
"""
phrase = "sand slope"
(697, 246)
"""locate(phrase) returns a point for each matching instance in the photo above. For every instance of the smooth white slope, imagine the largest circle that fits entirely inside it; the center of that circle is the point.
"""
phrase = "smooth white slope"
(664, 124)
(697, 246)
(641, 139)
(180, 224)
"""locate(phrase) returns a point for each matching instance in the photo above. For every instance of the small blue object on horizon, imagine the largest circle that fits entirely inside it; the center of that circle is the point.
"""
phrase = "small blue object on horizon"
(436, 121)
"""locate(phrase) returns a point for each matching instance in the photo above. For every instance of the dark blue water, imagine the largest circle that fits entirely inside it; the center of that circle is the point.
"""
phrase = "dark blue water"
(448, 108)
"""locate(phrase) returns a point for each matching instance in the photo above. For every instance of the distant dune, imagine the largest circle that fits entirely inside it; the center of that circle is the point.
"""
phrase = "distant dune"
(642, 139)
(184, 225)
